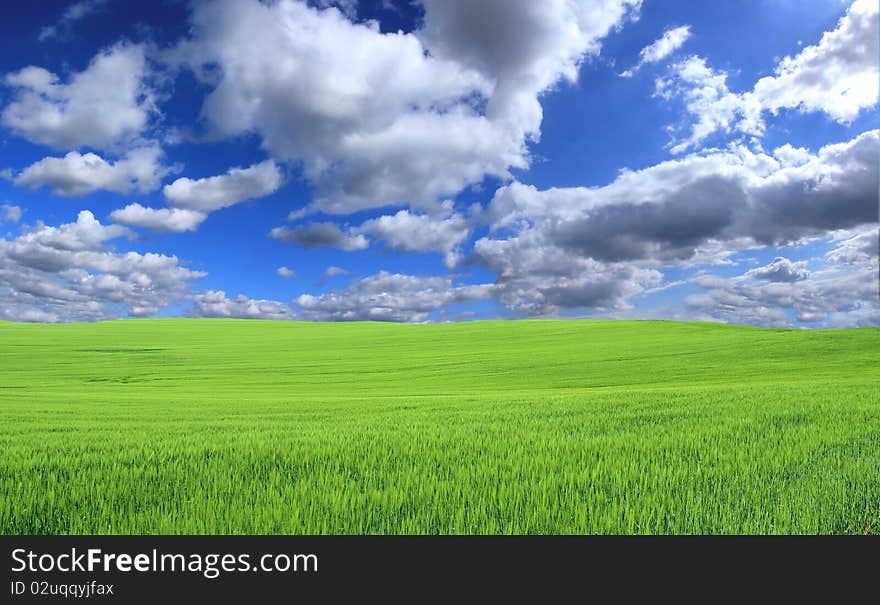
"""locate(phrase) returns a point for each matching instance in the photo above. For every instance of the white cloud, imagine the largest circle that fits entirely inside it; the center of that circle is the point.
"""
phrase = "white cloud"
(164, 219)
(538, 277)
(316, 235)
(780, 270)
(105, 106)
(213, 193)
(665, 45)
(388, 297)
(709, 100)
(87, 233)
(68, 273)
(792, 156)
(76, 174)
(404, 231)
(330, 273)
(839, 76)
(214, 303)
(596, 247)
(524, 46)
(855, 246)
(285, 272)
(830, 298)
(10, 213)
(395, 118)
(71, 15)
(410, 232)
(668, 210)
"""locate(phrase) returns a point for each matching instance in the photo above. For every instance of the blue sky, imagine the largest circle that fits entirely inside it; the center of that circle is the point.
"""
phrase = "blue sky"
(440, 160)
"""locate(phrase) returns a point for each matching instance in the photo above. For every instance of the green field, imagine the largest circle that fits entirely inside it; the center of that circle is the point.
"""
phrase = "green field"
(225, 426)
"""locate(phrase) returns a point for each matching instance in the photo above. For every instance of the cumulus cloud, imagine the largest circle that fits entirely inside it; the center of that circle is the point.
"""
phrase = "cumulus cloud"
(105, 106)
(417, 116)
(68, 273)
(285, 272)
(855, 246)
(671, 40)
(411, 232)
(711, 103)
(214, 303)
(69, 17)
(668, 210)
(163, 219)
(520, 40)
(792, 156)
(596, 247)
(538, 277)
(316, 235)
(781, 270)
(77, 174)
(405, 231)
(389, 297)
(831, 298)
(839, 76)
(331, 272)
(10, 213)
(213, 193)
(87, 233)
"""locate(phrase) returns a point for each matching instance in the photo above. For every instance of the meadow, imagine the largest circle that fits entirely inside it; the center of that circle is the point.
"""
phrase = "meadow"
(223, 426)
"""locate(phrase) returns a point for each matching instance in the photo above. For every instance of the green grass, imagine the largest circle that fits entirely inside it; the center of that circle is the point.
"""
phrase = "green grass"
(223, 426)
